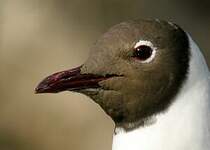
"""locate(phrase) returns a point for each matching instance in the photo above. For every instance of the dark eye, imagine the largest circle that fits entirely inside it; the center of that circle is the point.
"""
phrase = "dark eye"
(143, 52)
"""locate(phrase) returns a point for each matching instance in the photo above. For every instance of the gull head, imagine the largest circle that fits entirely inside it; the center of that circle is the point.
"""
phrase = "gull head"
(133, 72)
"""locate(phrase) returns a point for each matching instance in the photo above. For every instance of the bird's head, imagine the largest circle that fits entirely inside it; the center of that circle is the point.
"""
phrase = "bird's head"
(133, 71)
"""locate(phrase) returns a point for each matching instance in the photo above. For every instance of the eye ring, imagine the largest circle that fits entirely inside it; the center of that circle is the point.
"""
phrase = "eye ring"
(144, 51)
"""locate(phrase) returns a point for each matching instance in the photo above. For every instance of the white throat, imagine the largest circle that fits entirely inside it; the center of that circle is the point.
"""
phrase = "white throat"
(186, 124)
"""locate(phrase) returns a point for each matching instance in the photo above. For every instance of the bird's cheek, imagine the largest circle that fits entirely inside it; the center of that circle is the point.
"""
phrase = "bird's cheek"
(111, 99)
(115, 83)
(112, 102)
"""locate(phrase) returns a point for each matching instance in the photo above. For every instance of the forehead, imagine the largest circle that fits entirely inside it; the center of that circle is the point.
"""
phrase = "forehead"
(126, 34)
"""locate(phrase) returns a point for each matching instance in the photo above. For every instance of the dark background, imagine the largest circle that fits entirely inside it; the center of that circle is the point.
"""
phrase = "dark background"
(39, 37)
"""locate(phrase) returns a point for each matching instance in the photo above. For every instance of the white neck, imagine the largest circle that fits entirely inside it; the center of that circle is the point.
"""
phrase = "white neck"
(186, 124)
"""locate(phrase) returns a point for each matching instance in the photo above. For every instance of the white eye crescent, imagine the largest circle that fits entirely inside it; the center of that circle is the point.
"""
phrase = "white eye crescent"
(144, 51)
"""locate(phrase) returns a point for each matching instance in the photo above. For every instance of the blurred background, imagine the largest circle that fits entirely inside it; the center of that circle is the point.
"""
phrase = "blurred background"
(39, 37)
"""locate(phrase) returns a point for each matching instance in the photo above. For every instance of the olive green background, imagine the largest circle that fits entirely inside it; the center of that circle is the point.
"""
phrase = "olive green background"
(39, 37)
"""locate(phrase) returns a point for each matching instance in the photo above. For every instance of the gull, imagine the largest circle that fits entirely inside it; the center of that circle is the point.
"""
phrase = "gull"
(151, 78)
